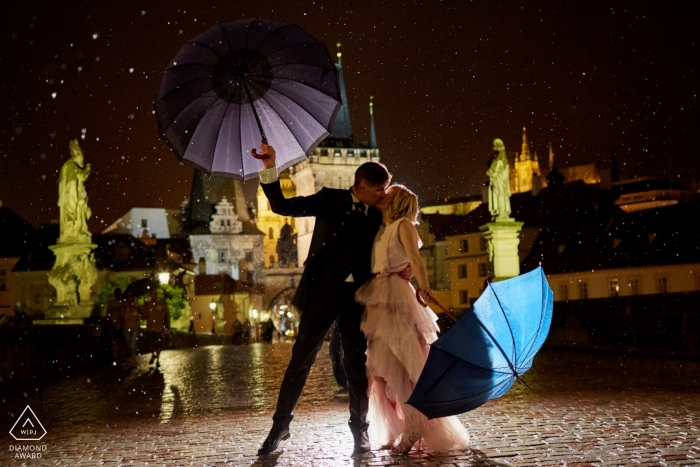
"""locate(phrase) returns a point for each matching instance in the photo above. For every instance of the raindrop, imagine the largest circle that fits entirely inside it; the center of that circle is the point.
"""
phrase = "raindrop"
(53, 95)
(131, 116)
(42, 156)
(80, 69)
(18, 130)
(43, 177)
(96, 35)
(131, 70)
(143, 12)
(52, 134)
(64, 66)
(97, 59)
(83, 131)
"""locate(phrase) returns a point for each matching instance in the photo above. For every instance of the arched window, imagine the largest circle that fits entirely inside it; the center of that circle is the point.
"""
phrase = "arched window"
(271, 234)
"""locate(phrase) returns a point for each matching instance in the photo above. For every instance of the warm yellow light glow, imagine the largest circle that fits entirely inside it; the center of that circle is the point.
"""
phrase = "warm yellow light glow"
(163, 278)
(212, 305)
(254, 313)
(289, 314)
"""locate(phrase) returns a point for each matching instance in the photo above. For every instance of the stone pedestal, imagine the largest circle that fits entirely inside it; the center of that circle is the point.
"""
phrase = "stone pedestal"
(503, 237)
(73, 276)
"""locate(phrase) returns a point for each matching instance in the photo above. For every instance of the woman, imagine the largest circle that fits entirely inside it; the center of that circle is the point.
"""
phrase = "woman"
(399, 331)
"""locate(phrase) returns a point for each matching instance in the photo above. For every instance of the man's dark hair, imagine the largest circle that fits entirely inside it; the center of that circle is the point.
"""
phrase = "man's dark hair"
(372, 173)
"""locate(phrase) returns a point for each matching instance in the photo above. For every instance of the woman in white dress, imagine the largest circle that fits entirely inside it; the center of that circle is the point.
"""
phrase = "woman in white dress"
(399, 331)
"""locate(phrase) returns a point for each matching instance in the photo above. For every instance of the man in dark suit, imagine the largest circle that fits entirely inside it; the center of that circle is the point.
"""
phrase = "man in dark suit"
(339, 261)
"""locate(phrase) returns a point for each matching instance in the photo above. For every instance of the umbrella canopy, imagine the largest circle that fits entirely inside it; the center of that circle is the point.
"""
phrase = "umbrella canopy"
(141, 287)
(494, 343)
(244, 82)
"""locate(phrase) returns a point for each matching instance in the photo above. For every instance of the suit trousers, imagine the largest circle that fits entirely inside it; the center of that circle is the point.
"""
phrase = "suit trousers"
(332, 301)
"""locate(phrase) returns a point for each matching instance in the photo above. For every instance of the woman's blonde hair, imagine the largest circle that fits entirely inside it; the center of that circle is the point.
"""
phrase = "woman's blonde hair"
(405, 204)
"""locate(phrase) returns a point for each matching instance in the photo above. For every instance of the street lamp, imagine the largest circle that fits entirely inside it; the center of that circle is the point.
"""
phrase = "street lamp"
(163, 278)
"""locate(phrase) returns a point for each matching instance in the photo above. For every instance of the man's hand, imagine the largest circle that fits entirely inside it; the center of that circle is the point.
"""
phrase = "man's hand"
(271, 159)
(406, 273)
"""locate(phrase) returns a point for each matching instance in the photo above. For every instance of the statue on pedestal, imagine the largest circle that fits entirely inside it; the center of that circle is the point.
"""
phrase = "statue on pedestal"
(499, 183)
(72, 198)
(74, 272)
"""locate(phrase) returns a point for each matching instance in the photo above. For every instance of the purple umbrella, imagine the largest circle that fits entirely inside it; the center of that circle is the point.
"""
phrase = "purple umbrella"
(241, 83)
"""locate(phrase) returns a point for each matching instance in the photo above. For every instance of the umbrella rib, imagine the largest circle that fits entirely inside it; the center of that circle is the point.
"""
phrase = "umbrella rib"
(271, 34)
(531, 351)
(509, 328)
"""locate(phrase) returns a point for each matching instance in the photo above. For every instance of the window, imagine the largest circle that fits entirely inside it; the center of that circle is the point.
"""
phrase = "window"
(223, 224)
(351, 153)
(270, 234)
(583, 290)
(3, 279)
(363, 153)
(324, 152)
(222, 256)
(613, 287)
(249, 255)
(464, 246)
(336, 153)
(463, 296)
(483, 243)
(144, 223)
(228, 222)
(483, 269)
(661, 284)
(462, 271)
(634, 286)
(563, 291)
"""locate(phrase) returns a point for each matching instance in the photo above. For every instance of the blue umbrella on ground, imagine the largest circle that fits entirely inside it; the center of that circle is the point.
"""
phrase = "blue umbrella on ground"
(488, 349)
(242, 83)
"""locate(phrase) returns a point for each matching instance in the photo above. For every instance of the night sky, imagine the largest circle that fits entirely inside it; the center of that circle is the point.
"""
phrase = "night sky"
(447, 77)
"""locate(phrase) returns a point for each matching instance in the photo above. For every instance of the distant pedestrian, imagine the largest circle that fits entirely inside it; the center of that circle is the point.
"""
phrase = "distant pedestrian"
(237, 332)
(268, 329)
(115, 325)
(157, 325)
(246, 332)
(131, 329)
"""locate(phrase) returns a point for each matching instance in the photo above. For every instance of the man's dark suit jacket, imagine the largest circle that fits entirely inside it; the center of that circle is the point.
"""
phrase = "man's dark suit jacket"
(334, 228)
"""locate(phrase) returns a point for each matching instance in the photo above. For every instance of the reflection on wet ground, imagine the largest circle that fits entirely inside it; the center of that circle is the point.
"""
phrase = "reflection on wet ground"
(212, 405)
(215, 379)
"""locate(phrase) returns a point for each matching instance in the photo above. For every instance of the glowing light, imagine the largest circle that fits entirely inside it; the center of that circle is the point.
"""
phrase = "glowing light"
(163, 277)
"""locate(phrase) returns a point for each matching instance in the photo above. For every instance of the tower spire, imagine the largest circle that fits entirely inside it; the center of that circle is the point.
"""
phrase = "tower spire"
(372, 132)
(551, 157)
(342, 129)
(525, 148)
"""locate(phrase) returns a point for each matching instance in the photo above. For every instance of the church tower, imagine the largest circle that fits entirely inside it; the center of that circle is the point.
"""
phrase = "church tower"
(524, 168)
(332, 163)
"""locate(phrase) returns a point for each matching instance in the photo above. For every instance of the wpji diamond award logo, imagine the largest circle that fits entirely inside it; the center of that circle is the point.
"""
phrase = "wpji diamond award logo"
(28, 428)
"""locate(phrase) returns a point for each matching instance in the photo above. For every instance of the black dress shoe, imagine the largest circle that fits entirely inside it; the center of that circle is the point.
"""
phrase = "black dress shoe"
(361, 442)
(276, 435)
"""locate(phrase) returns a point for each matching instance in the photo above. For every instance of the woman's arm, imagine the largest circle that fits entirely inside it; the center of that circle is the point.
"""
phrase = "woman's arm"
(408, 236)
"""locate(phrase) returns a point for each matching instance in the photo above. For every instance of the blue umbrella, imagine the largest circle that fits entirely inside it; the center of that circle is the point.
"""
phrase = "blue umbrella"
(490, 347)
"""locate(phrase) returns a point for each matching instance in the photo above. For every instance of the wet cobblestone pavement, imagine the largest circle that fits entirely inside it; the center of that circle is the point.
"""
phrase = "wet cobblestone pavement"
(212, 406)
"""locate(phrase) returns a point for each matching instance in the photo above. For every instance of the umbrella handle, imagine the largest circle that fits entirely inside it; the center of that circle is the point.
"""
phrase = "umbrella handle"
(255, 154)
(432, 300)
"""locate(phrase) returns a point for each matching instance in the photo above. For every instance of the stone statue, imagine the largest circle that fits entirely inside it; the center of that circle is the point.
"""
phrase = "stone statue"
(74, 272)
(499, 183)
(72, 198)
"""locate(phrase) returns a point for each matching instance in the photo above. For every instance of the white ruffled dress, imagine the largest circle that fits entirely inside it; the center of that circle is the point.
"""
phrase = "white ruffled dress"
(399, 331)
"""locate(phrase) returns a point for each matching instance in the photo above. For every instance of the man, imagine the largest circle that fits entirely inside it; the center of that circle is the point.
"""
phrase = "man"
(157, 323)
(115, 325)
(339, 261)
